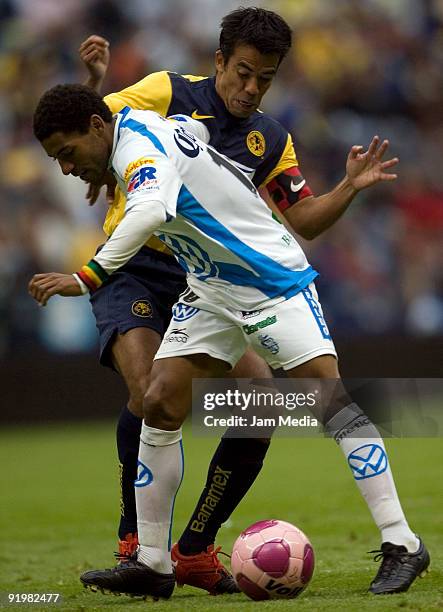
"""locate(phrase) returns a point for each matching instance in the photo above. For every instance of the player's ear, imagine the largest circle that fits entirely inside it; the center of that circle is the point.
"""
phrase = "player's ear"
(97, 124)
(219, 61)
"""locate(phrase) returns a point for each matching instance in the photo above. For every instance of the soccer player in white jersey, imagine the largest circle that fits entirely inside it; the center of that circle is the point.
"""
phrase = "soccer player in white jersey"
(238, 258)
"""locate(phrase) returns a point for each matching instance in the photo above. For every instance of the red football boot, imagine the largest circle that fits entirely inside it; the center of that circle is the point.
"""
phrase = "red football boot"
(203, 570)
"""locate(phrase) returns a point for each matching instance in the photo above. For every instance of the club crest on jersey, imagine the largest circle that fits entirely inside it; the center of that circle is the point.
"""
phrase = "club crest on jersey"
(143, 161)
(256, 143)
(182, 312)
(367, 461)
(141, 308)
(143, 178)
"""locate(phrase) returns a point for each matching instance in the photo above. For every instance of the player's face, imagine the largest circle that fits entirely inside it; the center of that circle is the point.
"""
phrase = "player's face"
(83, 155)
(244, 79)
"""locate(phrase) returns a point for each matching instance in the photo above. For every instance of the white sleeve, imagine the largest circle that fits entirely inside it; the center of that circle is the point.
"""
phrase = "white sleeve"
(131, 234)
(197, 128)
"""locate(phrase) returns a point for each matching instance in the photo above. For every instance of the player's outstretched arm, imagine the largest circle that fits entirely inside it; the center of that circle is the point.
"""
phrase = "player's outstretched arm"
(44, 286)
(312, 215)
(94, 53)
(131, 234)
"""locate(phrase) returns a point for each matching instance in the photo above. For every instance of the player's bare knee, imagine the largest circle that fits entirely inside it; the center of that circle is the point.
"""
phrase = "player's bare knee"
(160, 410)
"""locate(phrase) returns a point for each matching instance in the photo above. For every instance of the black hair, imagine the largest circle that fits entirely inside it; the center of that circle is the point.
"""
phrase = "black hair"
(263, 29)
(68, 108)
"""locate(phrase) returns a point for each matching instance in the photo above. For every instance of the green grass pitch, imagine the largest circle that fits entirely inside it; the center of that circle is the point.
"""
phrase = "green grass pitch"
(59, 510)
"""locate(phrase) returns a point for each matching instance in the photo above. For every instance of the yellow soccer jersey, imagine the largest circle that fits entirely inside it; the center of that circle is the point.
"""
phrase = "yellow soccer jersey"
(259, 145)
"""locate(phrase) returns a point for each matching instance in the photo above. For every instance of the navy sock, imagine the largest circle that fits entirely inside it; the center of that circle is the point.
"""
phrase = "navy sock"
(233, 468)
(128, 441)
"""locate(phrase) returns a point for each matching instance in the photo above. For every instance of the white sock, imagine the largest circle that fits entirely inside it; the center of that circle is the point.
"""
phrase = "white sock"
(368, 460)
(160, 472)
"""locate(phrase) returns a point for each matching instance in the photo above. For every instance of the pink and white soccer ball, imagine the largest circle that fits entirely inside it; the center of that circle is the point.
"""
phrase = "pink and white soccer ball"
(272, 560)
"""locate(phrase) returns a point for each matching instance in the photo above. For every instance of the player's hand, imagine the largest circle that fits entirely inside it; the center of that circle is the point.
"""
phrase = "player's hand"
(93, 193)
(94, 190)
(94, 52)
(365, 168)
(44, 286)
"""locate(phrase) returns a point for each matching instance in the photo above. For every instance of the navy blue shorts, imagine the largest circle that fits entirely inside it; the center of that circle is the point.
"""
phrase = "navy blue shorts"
(140, 294)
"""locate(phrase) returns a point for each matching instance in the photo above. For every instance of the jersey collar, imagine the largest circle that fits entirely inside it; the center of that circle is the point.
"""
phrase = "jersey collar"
(118, 117)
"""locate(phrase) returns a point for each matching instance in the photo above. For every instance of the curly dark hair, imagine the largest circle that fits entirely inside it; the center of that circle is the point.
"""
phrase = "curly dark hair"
(68, 108)
(263, 29)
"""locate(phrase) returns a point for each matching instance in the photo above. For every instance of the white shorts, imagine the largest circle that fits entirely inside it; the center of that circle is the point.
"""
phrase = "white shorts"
(286, 334)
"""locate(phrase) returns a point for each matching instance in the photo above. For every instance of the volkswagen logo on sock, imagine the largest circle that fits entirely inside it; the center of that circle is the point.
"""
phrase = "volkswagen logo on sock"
(367, 461)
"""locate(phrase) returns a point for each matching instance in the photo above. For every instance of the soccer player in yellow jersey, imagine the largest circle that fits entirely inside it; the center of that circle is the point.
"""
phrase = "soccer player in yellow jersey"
(200, 204)
(132, 307)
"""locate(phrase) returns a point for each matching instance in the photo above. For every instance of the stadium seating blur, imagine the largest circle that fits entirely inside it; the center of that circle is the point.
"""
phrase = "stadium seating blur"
(356, 69)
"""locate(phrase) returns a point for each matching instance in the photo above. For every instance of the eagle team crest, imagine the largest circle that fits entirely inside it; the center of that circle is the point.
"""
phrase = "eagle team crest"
(142, 308)
(256, 143)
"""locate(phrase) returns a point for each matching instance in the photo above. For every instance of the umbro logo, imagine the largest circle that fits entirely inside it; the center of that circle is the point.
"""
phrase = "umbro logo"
(367, 461)
(144, 475)
(195, 115)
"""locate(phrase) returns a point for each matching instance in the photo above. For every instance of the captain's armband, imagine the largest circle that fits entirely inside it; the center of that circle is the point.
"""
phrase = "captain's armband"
(288, 188)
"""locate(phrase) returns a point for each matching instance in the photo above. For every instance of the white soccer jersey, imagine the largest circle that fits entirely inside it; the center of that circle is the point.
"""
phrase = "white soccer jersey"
(218, 227)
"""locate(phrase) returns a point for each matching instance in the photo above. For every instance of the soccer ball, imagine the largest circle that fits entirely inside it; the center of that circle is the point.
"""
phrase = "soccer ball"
(272, 560)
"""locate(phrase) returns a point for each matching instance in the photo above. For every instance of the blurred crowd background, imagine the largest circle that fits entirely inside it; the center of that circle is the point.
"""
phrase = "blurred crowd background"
(357, 68)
